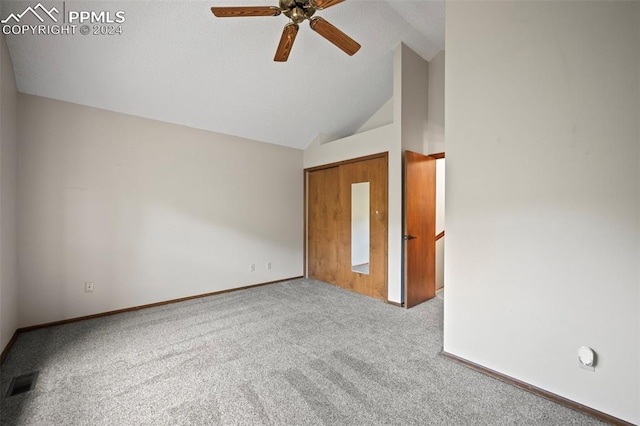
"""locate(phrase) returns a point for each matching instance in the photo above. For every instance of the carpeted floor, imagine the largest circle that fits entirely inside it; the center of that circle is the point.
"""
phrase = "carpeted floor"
(300, 353)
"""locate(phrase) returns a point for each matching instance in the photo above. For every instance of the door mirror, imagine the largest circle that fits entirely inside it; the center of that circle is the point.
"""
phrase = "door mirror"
(360, 227)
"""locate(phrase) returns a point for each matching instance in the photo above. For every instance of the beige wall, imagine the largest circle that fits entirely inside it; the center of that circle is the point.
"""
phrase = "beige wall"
(543, 194)
(146, 210)
(8, 197)
(435, 117)
(414, 99)
(380, 118)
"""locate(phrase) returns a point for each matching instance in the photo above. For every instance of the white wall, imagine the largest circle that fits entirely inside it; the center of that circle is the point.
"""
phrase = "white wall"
(414, 99)
(148, 211)
(8, 197)
(543, 194)
(380, 118)
(434, 141)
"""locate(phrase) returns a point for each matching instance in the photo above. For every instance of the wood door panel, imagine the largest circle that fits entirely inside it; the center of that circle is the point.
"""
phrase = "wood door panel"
(375, 172)
(379, 226)
(323, 222)
(419, 222)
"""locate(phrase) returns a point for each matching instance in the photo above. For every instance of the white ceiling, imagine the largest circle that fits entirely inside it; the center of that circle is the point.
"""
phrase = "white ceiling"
(177, 63)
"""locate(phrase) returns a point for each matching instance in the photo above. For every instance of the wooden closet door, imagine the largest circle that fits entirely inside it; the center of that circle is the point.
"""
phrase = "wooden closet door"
(323, 224)
(373, 171)
(329, 225)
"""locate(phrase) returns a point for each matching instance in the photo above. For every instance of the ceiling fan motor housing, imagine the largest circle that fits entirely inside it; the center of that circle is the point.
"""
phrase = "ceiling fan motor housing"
(297, 10)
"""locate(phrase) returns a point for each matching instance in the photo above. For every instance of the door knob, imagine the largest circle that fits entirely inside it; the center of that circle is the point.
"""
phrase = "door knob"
(408, 237)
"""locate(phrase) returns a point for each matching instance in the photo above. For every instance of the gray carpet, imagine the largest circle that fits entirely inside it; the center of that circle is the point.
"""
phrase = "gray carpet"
(300, 353)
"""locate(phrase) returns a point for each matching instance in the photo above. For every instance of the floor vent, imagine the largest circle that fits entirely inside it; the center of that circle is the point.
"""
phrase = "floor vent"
(22, 384)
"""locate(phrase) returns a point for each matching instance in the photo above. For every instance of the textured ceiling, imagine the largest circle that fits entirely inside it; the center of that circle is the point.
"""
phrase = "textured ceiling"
(176, 62)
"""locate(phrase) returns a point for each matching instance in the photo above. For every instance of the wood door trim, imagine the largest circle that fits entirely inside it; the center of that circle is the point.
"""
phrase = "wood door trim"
(537, 391)
(305, 219)
(351, 160)
(440, 235)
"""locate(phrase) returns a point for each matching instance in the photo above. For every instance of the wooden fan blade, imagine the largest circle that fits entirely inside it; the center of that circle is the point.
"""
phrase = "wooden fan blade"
(286, 42)
(334, 35)
(238, 11)
(323, 4)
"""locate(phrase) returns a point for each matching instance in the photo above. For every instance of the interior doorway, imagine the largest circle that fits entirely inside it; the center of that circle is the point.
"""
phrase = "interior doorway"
(440, 218)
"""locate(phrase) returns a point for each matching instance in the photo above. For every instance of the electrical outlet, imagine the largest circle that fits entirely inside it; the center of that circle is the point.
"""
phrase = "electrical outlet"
(268, 265)
(253, 267)
(88, 287)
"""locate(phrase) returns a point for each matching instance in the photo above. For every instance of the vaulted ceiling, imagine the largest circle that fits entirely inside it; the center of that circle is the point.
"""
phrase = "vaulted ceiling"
(176, 62)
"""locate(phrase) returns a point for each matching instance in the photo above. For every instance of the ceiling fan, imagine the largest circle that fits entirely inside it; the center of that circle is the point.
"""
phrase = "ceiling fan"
(297, 11)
